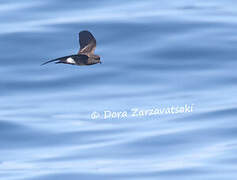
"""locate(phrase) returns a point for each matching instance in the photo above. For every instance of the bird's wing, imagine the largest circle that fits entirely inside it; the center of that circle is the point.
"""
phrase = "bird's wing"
(87, 43)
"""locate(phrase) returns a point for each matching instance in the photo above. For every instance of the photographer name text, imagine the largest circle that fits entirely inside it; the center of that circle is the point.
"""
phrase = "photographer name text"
(136, 112)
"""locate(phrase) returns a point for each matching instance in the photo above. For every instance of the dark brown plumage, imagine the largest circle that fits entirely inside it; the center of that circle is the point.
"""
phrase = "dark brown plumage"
(85, 55)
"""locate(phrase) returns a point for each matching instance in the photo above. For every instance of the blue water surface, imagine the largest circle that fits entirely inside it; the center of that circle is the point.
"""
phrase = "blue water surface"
(61, 122)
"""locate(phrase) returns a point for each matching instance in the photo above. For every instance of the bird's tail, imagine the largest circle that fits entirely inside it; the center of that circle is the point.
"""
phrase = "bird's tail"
(58, 59)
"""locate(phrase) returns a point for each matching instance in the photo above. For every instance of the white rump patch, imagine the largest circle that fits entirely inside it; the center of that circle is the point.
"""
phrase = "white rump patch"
(70, 60)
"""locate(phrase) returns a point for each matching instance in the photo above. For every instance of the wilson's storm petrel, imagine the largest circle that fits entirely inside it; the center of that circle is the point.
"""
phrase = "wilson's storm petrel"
(85, 56)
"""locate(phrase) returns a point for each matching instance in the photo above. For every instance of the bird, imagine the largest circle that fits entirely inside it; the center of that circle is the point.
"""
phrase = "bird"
(85, 55)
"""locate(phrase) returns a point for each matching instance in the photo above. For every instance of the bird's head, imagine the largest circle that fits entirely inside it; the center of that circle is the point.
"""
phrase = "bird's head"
(96, 59)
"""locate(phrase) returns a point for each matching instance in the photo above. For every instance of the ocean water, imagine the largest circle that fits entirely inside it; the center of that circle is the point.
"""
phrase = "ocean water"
(162, 105)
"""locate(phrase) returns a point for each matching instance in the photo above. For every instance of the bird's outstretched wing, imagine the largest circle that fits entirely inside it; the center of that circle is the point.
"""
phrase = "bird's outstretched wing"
(87, 43)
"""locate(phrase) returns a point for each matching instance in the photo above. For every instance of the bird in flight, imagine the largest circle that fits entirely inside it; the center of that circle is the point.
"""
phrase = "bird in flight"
(85, 56)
